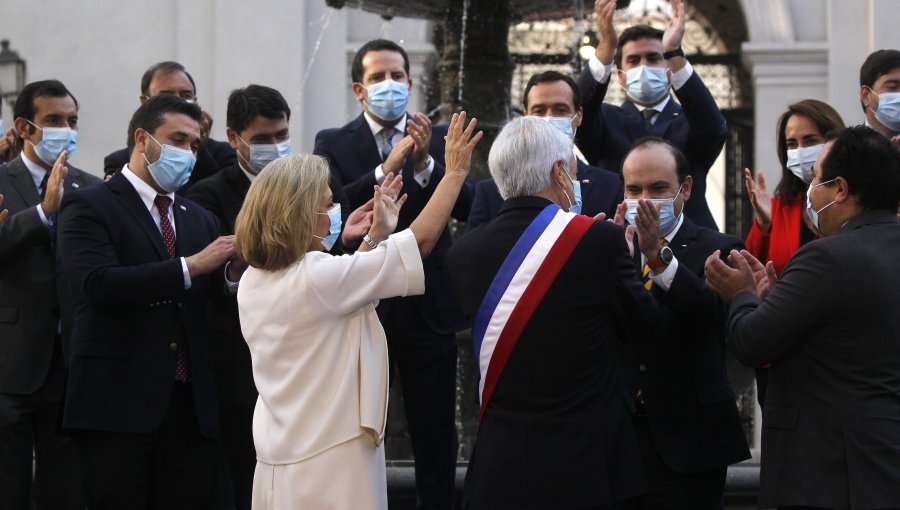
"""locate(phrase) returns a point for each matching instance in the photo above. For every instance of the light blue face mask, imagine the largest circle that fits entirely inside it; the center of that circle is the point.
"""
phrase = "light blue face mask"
(800, 161)
(173, 168)
(54, 141)
(387, 100)
(667, 217)
(334, 229)
(812, 213)
(563, 124)
(261, 154)
(888, 112)
(647, 85)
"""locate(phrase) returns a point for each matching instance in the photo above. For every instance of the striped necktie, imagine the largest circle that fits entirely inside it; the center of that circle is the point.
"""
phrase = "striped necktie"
(388, 137)
(645, 274)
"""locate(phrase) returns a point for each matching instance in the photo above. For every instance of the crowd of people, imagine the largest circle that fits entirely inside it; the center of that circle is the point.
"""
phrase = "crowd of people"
(215, 324)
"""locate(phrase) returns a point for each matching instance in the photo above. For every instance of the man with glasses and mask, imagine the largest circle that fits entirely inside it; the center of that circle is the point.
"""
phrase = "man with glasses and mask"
(172, 78)
(828, 325)
(649, 62)
(554, 97)
(32, 366)
(686, 420)
(420, 330)
(141, 262)
(879, 92)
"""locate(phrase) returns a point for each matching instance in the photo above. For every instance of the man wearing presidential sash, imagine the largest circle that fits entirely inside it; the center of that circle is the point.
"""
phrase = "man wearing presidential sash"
(551, 295)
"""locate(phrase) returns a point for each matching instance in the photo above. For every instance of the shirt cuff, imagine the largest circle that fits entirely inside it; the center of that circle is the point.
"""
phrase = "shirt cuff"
(664, 279)
(186, 273)
(230, 286)
(599, 70)
(379, 174)
(682, 76)
(424, 177)
(43, 216)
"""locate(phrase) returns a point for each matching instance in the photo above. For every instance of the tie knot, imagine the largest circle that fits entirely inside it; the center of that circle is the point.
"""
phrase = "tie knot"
(648, 114)
(388, 134)
(162, 203)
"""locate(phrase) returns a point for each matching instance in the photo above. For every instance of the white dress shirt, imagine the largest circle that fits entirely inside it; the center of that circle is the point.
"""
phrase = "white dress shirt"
(37, 175)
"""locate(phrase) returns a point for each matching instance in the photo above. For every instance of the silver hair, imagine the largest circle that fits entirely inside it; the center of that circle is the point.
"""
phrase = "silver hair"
(523, 154)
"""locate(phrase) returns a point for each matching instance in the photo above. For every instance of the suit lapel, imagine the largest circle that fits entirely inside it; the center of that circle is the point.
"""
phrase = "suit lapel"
(20, 179)
(634, 122)
(684, 238)
(130, 200)
(183, 227)
(363, 142)
(665, 118)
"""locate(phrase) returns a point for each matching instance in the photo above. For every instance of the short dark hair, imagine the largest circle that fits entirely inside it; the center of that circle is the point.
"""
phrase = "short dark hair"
(551, 76)
(24, 106)
(870, 164)
(877, 64)
(151, 114)
(633, 33)
(163, 68)
(356, 69)
(824, 117)
(252, 101)
(682, 167)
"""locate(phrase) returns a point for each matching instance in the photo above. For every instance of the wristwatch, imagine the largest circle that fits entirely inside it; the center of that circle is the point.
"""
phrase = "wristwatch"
(371, 242)
(662, 259)
(677, 52)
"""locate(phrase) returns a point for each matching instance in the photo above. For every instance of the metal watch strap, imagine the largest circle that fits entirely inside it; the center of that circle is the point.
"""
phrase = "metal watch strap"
(371, 242)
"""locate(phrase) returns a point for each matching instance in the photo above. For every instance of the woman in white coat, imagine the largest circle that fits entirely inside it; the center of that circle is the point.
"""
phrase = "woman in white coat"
(318, 350)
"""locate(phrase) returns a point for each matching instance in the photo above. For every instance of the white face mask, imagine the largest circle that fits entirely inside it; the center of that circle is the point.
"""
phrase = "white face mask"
(888, 112)
(800, 161)
(563, 124)
(812, 213)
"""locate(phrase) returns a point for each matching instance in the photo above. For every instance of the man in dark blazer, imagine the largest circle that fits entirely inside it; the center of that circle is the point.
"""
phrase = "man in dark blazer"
(649, 62)
(831, 422)
(172, 78)
(32, 368)
(554, 97)
(556, 432)
(686, 419)
(420, 329)
(141, 263)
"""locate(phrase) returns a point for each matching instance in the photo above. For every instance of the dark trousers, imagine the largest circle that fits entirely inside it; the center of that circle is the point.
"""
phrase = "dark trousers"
(426, 364)
(173, 467)
(676, 491)
(29, 431)
(240, 454)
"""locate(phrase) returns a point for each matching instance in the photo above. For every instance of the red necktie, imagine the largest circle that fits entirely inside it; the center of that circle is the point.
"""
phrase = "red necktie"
(182, 365)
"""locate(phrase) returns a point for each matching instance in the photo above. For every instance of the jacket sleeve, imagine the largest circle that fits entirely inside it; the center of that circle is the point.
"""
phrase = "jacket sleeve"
(590, 134)
(480, 213)
(21, 232)
(357, 192)
(707, 124)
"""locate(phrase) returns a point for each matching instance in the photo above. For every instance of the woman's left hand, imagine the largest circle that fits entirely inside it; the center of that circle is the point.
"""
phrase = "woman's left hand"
(388, 202)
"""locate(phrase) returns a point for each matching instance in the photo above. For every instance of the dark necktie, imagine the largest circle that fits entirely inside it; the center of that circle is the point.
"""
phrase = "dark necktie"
(182, 365)
(52, 218)
(648, 115)
(388, 134)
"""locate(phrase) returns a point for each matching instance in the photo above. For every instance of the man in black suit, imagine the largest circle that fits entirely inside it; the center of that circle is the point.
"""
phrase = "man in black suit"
(555, 431)
(686, 419)
(879, 92)
(172, 78)
(829, 326)
(32, 368)
(420, 329)
(554, 97)
(649, 62)
(141, 262)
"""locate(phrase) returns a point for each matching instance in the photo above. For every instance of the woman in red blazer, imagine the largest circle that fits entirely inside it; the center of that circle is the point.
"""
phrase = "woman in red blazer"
(781, 224)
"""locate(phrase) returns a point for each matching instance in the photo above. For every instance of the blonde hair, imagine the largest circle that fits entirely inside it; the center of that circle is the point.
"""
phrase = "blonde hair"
(276, 222)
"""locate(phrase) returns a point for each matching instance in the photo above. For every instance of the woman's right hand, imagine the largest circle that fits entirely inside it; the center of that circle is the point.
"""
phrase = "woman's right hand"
(460, 143)
(386, 207)
(760, 199)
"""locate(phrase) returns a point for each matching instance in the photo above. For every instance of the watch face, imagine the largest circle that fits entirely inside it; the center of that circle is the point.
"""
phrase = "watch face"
(666, 255)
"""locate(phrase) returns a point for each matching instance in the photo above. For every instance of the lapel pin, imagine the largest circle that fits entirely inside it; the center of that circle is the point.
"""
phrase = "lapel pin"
(183, 208)
(75, 185)
(585, 181)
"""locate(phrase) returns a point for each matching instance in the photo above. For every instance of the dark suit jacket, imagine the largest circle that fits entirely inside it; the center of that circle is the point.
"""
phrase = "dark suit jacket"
(213, 157)
(132, 310)
(690, 406)
(557, 432)
(601, 193)
(223, 195)
(29, 306)
(352, 154)
(830, 328)
(696, 127)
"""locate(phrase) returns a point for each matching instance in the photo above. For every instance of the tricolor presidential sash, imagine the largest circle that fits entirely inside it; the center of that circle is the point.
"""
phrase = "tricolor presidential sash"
(519, 287)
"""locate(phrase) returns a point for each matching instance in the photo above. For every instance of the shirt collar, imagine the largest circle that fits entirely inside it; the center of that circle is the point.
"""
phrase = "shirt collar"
(144, 190)
(658, 106)
(671, 235)
(377, 128)
(37, 171)
(249, 174)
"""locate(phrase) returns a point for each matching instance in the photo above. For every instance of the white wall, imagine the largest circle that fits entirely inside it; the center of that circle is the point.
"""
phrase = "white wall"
(100, 49)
